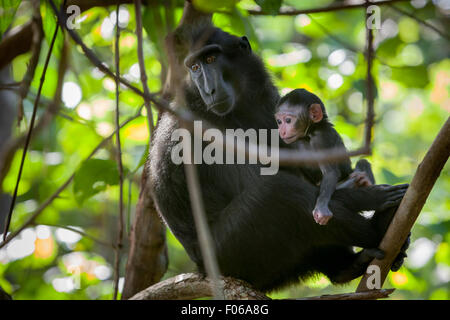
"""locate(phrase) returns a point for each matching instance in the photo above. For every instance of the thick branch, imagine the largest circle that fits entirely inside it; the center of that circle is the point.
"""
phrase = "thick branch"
(412, 203)
(16, 42)
(147, 259)
(192, 286)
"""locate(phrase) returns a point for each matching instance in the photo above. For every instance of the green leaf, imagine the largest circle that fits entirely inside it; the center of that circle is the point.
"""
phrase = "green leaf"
(390, 177)
(415, 77)
(361, 86)
(93, 177)
(214, 5)
(8, 10)
(270, 6)
(49, 23)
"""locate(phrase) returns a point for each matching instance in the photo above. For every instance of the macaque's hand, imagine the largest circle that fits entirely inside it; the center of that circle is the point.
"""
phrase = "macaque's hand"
(360, 178)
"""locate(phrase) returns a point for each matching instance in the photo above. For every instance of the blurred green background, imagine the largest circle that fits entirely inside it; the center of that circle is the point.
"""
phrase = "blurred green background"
(322, 52)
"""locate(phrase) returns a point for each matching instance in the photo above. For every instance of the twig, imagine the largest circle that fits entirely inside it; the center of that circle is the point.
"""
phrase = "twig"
(128, 225)
(423, 181)
(138, 14)
(334, 7)
(119, 161)
(203, 232)
(370, 85)
(10, 88)
(82, 233)
(193, 286)
(426, 24)
(9, 85)
(44, 205)
(30, 130)
(10, 148)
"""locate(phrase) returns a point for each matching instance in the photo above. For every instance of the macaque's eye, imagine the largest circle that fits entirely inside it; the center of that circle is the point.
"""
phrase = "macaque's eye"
(288, 120)
(279, 121)
(210, 59)
(195, 67)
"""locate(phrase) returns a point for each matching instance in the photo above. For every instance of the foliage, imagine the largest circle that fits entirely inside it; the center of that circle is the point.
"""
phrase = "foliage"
(322, 52)
(7, 13)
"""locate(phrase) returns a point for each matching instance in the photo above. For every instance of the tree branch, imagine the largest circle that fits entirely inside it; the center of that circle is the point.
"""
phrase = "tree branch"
(140, 52)
(192, 286)
(370, 85)
(82, 233)
(335, 7)
(16, 42)
(188, 286)
(422, 22)
(426, 175)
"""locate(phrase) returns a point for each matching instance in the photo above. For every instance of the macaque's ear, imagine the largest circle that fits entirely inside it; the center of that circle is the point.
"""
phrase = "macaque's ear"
(245, 44)
(315, 112)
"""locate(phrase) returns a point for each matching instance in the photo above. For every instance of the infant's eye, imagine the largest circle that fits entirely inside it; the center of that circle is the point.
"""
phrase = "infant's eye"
(278, 121)
(195, 67)
(288, 120)
(210, 59)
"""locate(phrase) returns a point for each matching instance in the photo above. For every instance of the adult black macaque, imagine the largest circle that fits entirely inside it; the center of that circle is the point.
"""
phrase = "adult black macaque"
(262, 226)
(301, 116)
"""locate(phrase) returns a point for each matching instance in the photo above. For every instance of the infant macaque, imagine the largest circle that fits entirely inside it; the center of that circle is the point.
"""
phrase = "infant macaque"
(301, 115)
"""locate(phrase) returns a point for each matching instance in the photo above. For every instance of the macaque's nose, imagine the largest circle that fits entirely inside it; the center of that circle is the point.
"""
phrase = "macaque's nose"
(283, 133)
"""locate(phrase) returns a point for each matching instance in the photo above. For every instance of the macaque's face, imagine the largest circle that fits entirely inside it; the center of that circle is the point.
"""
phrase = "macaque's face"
(290, 127)
(294, 120)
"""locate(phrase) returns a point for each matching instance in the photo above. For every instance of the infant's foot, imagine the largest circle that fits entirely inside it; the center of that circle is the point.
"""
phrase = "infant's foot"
(322, 215)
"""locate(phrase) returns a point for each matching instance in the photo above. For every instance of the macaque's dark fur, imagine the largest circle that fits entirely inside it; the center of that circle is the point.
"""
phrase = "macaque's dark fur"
(301, 99)
(262, 226)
